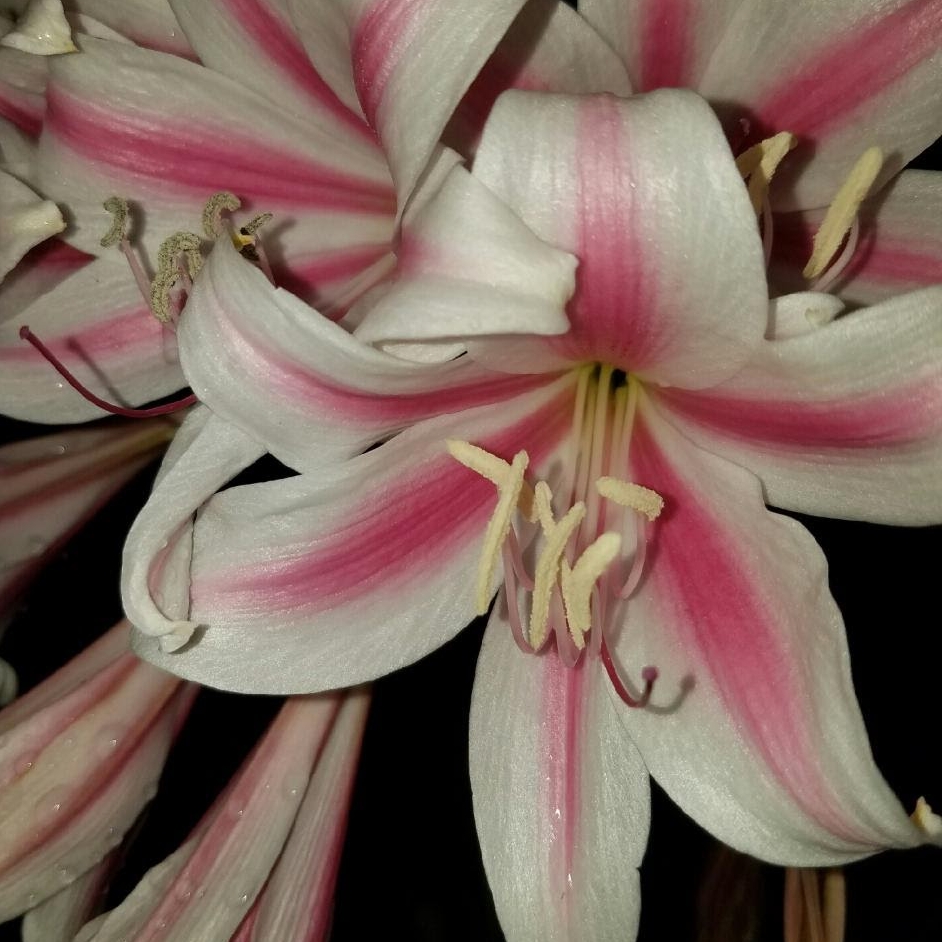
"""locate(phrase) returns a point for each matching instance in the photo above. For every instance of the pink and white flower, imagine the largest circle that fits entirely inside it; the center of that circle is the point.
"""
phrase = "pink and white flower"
(80, 756)
(263, 861)
(656, 382)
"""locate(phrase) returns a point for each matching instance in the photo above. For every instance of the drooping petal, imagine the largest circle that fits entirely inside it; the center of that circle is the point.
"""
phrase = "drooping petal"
(497, 279)
(318, 394)
(899, 248)
(60, 917)
(548, 47)
(205, 454)
(254, 43)
(664, 43)
(53, 484)
(167, 134)
(845, 421)
(619, 184)
(560, 795)
(843, 76)
(753, 727)
(96, 322)
(336, 577)
(80, 758)
(149, 23)
(296, 904)
(204, 890)
(412, 61)
(27, 220)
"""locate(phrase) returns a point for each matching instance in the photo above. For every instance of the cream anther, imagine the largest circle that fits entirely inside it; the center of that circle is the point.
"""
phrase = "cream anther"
(556, 535)
(927, 820)
(760, 162)
(633, 496)
(492, 468)
(256, 223)
(119, 211)
(578, 582)
(213, 210)
(843, 211)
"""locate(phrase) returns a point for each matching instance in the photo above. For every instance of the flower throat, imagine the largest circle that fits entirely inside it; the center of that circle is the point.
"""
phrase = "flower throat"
(577, 577)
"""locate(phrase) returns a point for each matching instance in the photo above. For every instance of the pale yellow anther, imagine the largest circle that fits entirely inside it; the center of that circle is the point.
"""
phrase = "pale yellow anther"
(213, 210)
(578, 581)
(842, 212)
(256, 223)
(119, 221)
(547, 566)
(160, 290)
(760, 162)
(633, 496)
(492, 468)
(927, 820)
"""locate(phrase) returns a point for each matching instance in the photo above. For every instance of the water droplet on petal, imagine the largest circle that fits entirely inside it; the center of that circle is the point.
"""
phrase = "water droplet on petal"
(108, 740)
(183, 890)
(50, 804)
(22, 764)
(294, 785)
(66, 875)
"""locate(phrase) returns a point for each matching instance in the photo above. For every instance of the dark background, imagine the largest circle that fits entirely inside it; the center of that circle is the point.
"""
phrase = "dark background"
(411, 867)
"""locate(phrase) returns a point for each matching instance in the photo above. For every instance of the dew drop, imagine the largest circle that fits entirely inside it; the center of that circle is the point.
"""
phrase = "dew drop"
(108, 740)
(66, 875)
(50, 804)
(32, 900)
(24, 763)
(183, 890)
(57, 450)
(293, 786)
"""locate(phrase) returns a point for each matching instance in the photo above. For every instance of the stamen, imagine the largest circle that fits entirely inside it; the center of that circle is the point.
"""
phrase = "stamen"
(578, 582)
(634, 496)
(547, 567)
(842, 212)
(760, 162)
(118, 232)
(63, 371)
(179, 246)
(118, 235)
(213, 210)
(926, 819)
(492, 468)
(649, 675)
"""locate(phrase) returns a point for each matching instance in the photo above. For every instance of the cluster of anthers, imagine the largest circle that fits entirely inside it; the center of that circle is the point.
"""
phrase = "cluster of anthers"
(573, 588)
(179, 260)
(840, 226)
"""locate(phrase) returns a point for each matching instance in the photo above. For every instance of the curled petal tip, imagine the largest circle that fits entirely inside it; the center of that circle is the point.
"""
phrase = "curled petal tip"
(178, 635)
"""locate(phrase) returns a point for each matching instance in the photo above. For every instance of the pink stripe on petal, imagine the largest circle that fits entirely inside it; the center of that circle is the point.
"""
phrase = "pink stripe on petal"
(406, 527)
(666, 44)
(282, 48)
(122, 336)
(202, 159)
(613, 313)
(563, 690)
(906, 415)
(825, 91)
(712, 607)
(28, 119)
(378, 43)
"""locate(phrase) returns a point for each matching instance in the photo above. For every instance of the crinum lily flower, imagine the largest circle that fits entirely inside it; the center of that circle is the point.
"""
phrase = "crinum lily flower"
(660, 619)
(262, 863)
(328, 115)
(841, 77)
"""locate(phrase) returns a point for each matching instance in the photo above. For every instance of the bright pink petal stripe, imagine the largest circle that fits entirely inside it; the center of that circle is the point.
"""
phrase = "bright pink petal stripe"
(613, 314)
(826, 90)
(720, 618)
(667, 44)
(282, 48)
(404, 530)
(203, 159)
(905, 415)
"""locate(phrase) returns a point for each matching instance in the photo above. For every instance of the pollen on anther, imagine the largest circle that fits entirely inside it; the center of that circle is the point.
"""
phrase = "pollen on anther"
(633, 496)
(578, 581)
(213, 210)
(118, 208)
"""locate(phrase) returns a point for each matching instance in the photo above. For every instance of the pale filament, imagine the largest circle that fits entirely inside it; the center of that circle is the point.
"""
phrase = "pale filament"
(575, 554)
